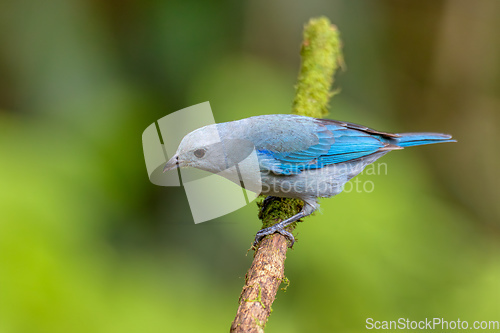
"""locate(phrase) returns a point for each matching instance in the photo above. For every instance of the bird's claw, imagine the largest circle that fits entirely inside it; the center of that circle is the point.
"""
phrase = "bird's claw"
(280, 227)
(271, 230)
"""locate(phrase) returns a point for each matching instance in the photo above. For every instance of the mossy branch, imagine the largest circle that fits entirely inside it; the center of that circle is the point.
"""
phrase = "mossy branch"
(321, 56)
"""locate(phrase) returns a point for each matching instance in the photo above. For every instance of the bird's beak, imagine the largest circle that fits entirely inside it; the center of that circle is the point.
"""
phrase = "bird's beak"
(172, 164)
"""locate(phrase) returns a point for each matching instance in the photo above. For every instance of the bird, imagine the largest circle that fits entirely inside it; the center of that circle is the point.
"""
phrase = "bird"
(296, 156)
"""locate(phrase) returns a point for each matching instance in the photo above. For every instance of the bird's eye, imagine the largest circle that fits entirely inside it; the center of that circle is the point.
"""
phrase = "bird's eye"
(199, 153)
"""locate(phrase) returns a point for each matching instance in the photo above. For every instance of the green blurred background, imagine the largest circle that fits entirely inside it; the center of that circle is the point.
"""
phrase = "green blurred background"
(88, 244)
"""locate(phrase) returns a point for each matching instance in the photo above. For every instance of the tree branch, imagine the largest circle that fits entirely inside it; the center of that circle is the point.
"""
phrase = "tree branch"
(321, 56)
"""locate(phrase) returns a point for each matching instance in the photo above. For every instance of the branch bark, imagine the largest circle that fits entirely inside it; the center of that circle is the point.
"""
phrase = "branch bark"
(321, 56)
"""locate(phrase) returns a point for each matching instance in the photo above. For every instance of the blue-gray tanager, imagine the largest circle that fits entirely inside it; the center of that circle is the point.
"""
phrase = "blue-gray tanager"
(297, 157)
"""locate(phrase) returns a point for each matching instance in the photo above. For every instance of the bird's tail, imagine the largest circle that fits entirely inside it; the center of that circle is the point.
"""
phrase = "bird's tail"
(418, 139)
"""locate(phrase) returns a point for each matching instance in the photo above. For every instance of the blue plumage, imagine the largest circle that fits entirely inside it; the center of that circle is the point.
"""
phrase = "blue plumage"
(336, 142)
(419, 139)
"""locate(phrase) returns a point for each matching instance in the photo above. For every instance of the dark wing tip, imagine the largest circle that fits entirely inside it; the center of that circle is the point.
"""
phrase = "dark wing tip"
(358, 127)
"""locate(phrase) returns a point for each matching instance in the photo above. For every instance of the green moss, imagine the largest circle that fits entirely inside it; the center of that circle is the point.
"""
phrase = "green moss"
(321, 56)
(258, 299)
(286, 283)
(279, 210)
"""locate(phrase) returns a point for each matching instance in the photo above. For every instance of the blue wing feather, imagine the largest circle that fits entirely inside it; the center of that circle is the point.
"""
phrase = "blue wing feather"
(336, 144)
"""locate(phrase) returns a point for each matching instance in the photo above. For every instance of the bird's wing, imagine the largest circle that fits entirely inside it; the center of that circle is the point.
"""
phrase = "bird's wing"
(336, 142)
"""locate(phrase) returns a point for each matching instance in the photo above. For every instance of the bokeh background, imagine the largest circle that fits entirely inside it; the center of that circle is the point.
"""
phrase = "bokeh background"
(88, 244)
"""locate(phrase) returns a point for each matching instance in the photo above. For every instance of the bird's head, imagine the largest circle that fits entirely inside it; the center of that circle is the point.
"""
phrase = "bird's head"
(211, 149)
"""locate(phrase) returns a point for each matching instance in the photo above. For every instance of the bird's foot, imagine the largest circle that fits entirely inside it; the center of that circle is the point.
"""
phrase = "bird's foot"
(280, 227)
(271, 230)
